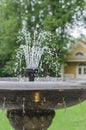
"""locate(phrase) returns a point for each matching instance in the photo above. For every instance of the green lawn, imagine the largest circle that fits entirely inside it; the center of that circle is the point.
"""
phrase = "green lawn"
(4, 123)
(73, 118)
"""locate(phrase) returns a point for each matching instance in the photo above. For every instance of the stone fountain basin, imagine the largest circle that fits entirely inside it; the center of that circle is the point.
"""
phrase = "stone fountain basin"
(41, 95)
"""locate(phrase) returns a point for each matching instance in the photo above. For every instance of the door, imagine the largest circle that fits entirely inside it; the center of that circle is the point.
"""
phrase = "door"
(81, 70)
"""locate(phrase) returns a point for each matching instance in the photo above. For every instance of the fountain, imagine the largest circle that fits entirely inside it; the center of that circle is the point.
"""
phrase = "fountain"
(32, 105)
(31, 73)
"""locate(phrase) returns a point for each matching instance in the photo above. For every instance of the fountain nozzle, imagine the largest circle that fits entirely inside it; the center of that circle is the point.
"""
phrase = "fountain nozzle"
(31, 73)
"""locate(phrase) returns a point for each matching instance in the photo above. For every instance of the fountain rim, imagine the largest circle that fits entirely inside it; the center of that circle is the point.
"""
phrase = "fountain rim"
(39, 85)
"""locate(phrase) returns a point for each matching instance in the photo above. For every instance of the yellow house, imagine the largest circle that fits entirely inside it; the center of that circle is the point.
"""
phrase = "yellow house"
(76, 62)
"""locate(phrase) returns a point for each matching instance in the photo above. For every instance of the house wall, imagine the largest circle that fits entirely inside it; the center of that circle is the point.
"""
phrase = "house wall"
(71, 55)
(70, 69)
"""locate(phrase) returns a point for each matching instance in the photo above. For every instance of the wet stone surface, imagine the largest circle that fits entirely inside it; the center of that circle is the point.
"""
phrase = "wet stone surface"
(40, 99)
(31, 106)
(31, 119)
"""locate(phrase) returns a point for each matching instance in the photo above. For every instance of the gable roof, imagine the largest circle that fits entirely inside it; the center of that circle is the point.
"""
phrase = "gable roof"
(77, 42)
(78, 47)
(84, 42)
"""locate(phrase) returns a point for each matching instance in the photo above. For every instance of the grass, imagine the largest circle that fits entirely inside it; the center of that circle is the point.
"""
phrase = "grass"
(72, 118)
(4, 123)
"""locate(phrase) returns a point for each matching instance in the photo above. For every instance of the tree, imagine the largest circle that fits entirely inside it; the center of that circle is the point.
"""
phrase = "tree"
(9, 28)
(61, 16)
(54, 16)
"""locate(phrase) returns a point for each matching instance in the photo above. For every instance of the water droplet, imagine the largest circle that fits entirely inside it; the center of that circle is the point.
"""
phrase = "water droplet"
(23, 105)
(64, 103)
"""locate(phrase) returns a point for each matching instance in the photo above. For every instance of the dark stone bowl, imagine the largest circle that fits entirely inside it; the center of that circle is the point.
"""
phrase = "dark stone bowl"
(40, 95)
(31, 105)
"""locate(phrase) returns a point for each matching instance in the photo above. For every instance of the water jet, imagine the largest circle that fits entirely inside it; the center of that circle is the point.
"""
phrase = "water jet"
(32, 105)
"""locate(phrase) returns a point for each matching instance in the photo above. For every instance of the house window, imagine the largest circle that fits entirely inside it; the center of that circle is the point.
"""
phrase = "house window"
(79, 54)
(85, 70)
(79, 70)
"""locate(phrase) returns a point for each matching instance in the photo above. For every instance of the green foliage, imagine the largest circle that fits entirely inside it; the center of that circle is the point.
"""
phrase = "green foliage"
(72, 118)
(56, 16)
(53, 59)
(9, 26)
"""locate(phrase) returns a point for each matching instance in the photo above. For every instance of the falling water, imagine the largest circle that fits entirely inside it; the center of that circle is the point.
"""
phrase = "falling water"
(23, 128)
(3, 108)
(4, 103)
(23, 105)
(3, 111)
(10, 115)
(80, 102)
(44, 99)
(33, 48)
(23, 109)
(64, 103)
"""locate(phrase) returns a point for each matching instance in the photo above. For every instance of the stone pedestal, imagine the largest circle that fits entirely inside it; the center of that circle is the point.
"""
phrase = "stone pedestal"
(30, 119)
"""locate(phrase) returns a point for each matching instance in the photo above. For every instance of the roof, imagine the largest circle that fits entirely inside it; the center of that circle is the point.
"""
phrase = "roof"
(76, 43)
